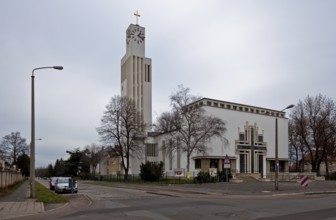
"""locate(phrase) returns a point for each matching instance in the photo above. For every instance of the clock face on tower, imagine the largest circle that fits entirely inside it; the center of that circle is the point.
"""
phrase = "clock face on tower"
(136, 35)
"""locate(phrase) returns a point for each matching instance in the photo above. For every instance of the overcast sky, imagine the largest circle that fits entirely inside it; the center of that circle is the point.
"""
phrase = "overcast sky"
(262, 53)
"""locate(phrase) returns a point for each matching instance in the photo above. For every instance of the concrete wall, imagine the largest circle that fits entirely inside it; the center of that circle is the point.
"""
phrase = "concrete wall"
(8, 178)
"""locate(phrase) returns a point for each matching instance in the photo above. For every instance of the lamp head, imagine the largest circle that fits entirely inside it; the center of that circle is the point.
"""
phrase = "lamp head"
(290, 106)
(58, 67)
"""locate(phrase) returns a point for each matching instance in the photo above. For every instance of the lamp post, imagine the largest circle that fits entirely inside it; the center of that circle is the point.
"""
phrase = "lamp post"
(32, 141)
(276, 150)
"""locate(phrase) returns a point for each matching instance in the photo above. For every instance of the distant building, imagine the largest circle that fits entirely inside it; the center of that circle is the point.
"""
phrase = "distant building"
(109, 166)
(326, 167)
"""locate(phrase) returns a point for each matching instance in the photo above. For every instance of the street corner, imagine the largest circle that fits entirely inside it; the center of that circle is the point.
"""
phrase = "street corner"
(16, 209)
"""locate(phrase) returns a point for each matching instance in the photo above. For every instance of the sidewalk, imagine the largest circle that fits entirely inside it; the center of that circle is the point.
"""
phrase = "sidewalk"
(233, 189)
(18, 203)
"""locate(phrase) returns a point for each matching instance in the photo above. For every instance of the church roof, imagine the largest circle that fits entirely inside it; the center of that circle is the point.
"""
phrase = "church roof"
(238, 107)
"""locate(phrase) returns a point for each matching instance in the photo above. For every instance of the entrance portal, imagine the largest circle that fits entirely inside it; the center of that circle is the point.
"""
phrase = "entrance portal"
(251, 149)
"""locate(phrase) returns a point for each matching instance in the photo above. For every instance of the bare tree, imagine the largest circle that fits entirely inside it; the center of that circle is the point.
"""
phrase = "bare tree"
(330, 153)
(297, 151)
(12, 146)
(188, 125)
(314, 120)
(121, 129)
(96, 154)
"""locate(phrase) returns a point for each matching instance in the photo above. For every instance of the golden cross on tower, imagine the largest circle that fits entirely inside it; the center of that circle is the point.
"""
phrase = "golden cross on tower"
(137, 16)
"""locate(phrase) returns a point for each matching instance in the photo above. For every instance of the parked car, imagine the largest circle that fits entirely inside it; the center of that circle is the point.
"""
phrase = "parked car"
(66, 184)
(52, 182)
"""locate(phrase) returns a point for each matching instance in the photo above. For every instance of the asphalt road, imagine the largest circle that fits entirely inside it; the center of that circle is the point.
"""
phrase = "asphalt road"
(99, 202)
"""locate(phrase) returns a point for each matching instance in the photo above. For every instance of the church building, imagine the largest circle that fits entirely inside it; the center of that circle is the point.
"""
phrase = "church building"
(249, 147)
(251, 131)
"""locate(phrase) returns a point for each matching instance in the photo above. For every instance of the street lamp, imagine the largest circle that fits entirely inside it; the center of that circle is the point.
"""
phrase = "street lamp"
(32, 141)
(276, 149)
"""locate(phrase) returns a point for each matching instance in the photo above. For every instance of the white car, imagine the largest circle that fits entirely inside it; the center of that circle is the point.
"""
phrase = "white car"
(66, 184)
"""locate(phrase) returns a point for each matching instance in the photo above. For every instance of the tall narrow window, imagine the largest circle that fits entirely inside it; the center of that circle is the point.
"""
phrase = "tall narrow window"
(138, 70)
(178, 149)
(148, 72)
(260, 138)
(170, 155)
(151, 150)
(145, 74)
(163, 152)
(252, 136)
(198, 164)
(241, 137)
(133, 87)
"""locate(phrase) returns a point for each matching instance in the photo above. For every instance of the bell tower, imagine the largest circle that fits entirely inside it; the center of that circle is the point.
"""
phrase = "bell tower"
(136, 72)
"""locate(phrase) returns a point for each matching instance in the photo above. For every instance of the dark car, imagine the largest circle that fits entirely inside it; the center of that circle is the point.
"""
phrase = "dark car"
(52, 182)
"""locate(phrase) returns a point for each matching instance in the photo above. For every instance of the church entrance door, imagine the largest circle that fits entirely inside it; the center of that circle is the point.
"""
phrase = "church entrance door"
(261, 165)
(243, 162)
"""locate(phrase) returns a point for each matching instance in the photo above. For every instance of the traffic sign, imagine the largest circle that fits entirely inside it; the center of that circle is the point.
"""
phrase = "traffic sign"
(226, 162)
(226, 159)
(304, 181)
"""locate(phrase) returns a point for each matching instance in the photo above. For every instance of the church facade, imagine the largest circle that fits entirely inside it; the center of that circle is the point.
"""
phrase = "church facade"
(250, 136)
(249, 146)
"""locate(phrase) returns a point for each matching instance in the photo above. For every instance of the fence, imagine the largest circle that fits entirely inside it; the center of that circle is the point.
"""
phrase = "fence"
(294, 176)
(168, 178)
(8, 178)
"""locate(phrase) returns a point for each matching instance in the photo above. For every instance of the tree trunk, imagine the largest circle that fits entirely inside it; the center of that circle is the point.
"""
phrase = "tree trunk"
(297, 162)
(327, 166)
(188, 163)
(127, 165)
(126, 174)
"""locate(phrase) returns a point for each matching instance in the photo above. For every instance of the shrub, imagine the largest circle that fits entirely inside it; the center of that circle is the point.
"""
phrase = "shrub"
(222, 176)
(331, 176)
(203, 177)
(151, 171)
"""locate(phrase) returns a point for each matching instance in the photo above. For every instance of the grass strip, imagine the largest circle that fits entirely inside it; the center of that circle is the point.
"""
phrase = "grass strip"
(46, 195)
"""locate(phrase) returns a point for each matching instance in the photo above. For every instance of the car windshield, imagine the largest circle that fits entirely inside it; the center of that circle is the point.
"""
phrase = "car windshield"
(63, 180)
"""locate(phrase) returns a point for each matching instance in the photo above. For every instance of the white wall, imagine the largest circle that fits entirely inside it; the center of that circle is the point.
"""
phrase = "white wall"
(237, 119)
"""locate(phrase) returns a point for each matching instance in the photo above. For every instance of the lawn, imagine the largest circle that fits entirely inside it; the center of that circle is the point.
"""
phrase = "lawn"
(46, 195)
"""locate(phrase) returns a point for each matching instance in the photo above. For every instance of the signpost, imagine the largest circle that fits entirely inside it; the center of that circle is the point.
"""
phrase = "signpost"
(213, 172)
(304, 182)
(227, 166)
(179, 172)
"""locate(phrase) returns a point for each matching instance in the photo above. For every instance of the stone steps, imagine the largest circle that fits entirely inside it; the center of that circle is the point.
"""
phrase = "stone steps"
(249, 177)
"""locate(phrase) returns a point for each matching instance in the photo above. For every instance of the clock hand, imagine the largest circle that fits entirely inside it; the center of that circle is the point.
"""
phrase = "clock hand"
(140, 36)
